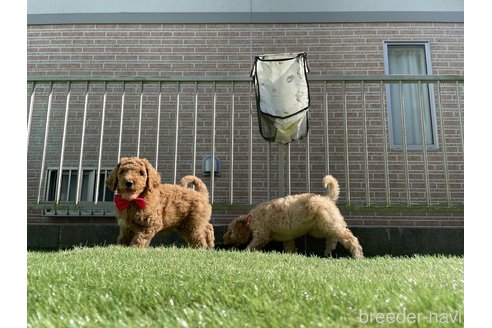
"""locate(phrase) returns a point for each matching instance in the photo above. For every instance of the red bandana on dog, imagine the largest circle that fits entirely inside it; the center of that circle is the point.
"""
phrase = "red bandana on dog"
(122, 204)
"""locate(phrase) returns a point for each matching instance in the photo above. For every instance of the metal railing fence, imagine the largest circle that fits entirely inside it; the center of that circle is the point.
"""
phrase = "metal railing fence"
(88, 123)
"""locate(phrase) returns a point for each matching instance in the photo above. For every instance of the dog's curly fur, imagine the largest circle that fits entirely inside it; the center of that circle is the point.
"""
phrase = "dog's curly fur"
(287, 218)
(168, 207)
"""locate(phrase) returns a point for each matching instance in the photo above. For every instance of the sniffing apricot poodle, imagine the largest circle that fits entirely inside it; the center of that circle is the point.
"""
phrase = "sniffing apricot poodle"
(287, 218)
(145, 207)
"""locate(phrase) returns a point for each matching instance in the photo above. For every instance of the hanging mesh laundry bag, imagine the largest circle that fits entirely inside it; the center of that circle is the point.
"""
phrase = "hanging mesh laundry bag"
(282, 96)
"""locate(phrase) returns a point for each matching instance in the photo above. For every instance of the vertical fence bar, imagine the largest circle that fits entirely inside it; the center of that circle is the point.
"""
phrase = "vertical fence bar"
(424, 142)
(327, 133)
(366, 151)
(346, 141)
(250, 164)
(289, 173)
(195, 125)
(157, 137)
(84, 119)
(444, 146)
(404, 143)
(308, 164)
(45, 142)
(460, 115)
(281, 170)
(103, 114)
(269, 170)
(176, 134)
(62, 151)
(140, 119)
(212, 174)
(29, 115)
(120, 136)
(231, 149)
(385, 145)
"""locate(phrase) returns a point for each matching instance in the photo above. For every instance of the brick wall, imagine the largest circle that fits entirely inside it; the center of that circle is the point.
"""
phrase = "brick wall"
(227, 50)
(195, 49)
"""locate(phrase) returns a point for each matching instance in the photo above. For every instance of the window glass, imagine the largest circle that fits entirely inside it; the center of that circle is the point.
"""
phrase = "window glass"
(409, 59)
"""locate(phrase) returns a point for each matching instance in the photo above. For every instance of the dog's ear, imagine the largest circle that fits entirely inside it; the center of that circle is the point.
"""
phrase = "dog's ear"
(112, 179)
(153, 177)
(246, 220)
(243, 233)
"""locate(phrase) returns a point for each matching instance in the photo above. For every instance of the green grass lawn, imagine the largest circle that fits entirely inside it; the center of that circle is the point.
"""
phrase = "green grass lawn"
(182, 287)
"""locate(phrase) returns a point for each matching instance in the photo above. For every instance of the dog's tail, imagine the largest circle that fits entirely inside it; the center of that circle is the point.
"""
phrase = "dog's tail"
(332, 183)
(200, 186)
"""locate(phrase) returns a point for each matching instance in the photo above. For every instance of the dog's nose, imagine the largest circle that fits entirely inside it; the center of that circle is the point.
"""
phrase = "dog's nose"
(129, 183)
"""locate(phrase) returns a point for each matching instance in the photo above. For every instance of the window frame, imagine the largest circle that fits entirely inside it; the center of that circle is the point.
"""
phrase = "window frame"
(50, 189)
(430, 88)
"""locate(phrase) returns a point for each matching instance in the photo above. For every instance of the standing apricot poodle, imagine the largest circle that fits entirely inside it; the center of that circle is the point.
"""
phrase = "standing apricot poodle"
(145, 207)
